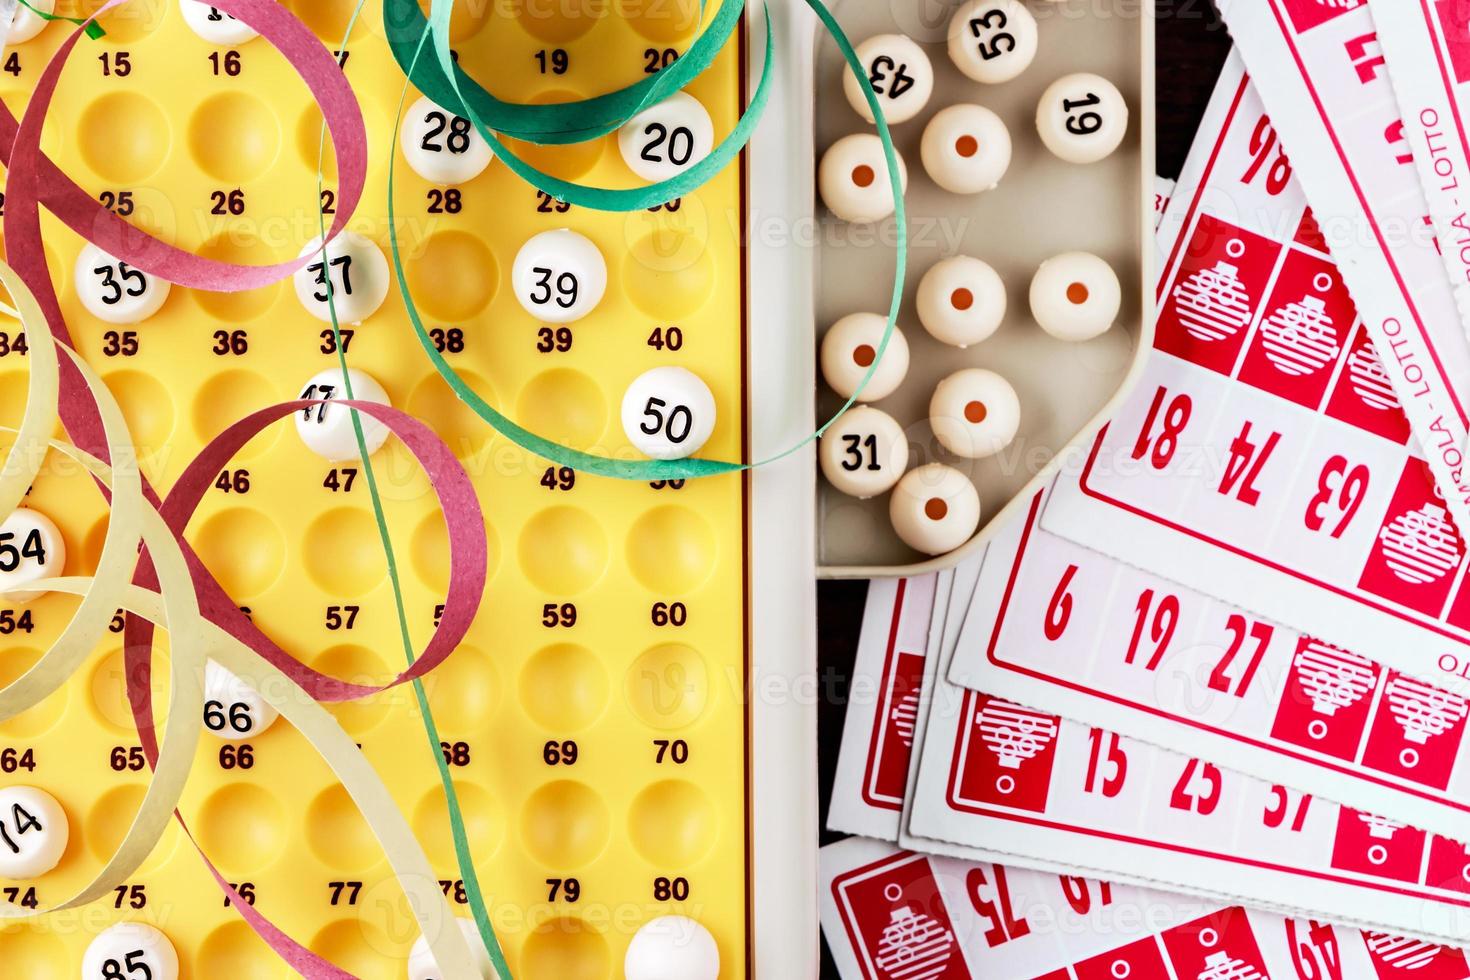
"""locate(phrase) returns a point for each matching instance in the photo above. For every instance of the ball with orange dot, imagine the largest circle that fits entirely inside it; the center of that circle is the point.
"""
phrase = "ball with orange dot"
(1075, 296)
(850, 348)
(966, 149)
(974, 413)
(853, 179)
(961, 301)
(934, 509)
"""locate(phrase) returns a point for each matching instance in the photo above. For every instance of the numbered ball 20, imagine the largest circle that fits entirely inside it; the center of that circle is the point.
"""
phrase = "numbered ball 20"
(934, 509)
(864, 453)
(672, 947)
(559, 276)
(233, 710)
(974, 413)
(668, 413)
(992, 41)
(214, 25)
(961, 301)
(900, 74)
(31, 548)
(33, 832)
(1082, 118)
(421, 963)
(850, 349)
(326, 428)
(352, 278)
(130, 951)
(966, 149)
(114, 291)
(667, 139)
(1075, 296)
(441, 147)
(853, 179)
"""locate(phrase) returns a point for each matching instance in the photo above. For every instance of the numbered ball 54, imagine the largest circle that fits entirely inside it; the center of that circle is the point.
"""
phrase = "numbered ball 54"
(31, 548)
(668, 413)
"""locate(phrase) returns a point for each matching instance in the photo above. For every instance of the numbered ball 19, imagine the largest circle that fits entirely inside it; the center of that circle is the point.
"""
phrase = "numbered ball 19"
(672, 947)
(1082, 118)
(114, 291)
(668, 413)
(992, 41)
(233, 710)
(853, 179)
(130, 951)
(441, 147)
(974, 413)
(33, 832)
(31, 548)
(900, 74)
(326, 428)
(966, 149)
(934, 509)
(1075, 296)
(850, 349)
(27, 23)
(559, 276)
(667, 139)
(863, 453)
(214, 25)
(421, 963)
(352, 278)
(961, 301)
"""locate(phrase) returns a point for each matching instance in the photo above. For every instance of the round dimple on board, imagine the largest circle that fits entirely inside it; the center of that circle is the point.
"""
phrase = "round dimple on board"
(40, 717)
(463, 690)
(123, 136)
(665, 21)
(452, 420)
(242, 827)
(564, 687)
(672, 549)
(465, 19)
(356, 946)
(110, 693)
(429, 551)
(353, 664)
(563, 550)
(240, 248)
(453, 275)
(228, 397)
(570, 161)
(16, 102)
(568, 949)
(124, 24)
(234, 136)
(343, 552)
(108, 820)
(565, 406)
(673, 824)
(234, 950)
(338, 834)
(668, 686)
(32, 955)
(147, 406)
(483, 821)
(244, 549)
(557, 21)
(565, 824)
(669, 273)
(328, 19)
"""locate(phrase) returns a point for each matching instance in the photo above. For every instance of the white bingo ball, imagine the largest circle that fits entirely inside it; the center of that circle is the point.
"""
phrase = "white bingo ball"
(214, 25)
(974, 413)
(901, 76)
(966, 149)
(31, 548)
(233, 710)
(853, 179)
(1082, 118)
(559, 276)
(992, 41)
(850, 347)
(961, 301)
(354, 276)
(864, 452)
(1075, 296)
(668, 413)
(421, 964)
(667, 139)
(114, 291)
(934, 509)
(441, 147)
(327, 428)
(672, 947)
(133, 951)
(33, 832)
(28, 23)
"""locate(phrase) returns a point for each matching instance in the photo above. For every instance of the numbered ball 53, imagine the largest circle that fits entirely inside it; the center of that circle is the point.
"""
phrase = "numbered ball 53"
(667, 139)
(863, 453)
(1082, 118)
(233, 710)
(901, 76)
(353, 276)
(214, 25)
(559, 276)
(130, 951)
(850, 349)
(31, 548)
(327, 428)
(33, 832)
(853, 179)
(668, 413)
(421, 963)
(992, 41)
(441, 147)
(114, 291)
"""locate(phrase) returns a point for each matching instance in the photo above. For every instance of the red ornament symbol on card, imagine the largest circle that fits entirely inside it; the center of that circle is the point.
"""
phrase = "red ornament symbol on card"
(1420, 546)
(913, 946)
(1220, 965)
(1400, 953)
(1380, 828)
(904, 714)
(1299, 337)
(1014, 733)
(1212, 304)
(1333, 678)
(1421, 710)
(1370, 381)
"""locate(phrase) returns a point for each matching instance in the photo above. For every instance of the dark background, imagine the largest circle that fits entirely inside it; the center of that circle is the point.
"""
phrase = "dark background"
(1192, 45)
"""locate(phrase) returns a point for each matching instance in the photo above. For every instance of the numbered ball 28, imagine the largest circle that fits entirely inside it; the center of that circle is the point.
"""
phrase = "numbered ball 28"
(559, 276)
(672, 947)
(351, 278)
(668, 413)
(28, 23)
(864, 453)
(974, 413)
(1075, 296)
(966, 149)
(214, 25)
(130, 951)
(850, 349)
(33, 832)
(114, 291)
(421, 963)
(992, 41)
(901, 76)
(961, 301)
(934, 509)
(667, 139)
(1082, 118)
(31, 548)
(853, 179)
(233, 710)
(441, 147)
(326, 428)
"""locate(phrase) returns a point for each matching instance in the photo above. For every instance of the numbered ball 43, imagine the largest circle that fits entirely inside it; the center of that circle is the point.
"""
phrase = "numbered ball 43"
(900, 74)
(668, 413)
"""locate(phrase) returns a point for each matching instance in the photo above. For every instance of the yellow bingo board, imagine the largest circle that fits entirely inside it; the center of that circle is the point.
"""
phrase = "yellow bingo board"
(595, 720)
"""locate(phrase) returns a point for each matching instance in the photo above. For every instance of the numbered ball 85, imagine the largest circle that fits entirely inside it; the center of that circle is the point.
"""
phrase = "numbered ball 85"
(667, 139)
(421, 963)
(441, 147)
(992, 41)
(559, 276)
(353, 276)
(1082, 118)
(672, 947)
(849, 350)
(31, 548)
(233, 710)
(900, 74)
(863, 453)
(214, 25)
(853, 179)
(114, 291)
(33, 832)
(934, 509)
(130, 951)
(961, 301)
(668, 413)
(327, 428)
